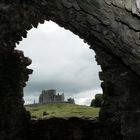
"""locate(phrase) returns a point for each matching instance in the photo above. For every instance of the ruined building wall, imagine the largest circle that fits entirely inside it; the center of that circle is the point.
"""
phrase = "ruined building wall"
(110, 27)
(50, 96)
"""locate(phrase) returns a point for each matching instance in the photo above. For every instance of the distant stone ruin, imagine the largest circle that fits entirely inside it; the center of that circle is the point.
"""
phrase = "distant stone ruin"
(50, 96)
(71, 100)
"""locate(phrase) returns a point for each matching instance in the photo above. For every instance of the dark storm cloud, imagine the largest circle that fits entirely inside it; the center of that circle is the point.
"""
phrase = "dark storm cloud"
(61, 86)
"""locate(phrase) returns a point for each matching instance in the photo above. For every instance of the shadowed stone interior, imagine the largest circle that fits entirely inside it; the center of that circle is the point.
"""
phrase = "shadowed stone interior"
(110, 27)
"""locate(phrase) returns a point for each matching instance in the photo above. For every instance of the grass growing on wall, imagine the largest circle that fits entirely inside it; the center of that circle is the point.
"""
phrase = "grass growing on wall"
(61, 110)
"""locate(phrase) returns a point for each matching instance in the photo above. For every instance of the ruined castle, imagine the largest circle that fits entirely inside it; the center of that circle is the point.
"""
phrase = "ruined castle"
(50, 96)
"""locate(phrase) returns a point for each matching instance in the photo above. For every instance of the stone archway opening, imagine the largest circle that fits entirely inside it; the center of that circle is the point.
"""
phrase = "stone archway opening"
(111, 28)
(63, 62)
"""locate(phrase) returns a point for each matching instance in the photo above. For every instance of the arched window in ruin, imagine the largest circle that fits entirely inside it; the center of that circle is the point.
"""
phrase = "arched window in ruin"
(61, 61)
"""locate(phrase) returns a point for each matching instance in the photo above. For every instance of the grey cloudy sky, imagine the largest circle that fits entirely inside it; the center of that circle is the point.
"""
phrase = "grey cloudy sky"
(61, 61)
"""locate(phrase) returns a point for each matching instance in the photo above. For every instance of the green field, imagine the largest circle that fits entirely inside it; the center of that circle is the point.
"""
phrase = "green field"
(61, 110)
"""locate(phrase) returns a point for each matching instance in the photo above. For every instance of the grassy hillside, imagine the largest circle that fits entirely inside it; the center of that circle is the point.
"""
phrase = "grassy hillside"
(62, 110)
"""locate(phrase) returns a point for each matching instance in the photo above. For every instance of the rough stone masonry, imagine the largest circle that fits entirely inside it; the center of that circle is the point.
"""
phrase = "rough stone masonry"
(110, 27)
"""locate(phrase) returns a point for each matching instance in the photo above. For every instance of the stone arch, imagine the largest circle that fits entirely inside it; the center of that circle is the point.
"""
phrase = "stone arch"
(111, 28)
(68, 50)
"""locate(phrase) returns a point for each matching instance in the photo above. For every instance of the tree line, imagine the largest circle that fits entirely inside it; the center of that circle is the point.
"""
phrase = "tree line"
(98, 101)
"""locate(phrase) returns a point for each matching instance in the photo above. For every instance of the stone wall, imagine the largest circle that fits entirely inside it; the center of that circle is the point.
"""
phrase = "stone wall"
(73, 129)
(110, 27)
(14, 120)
